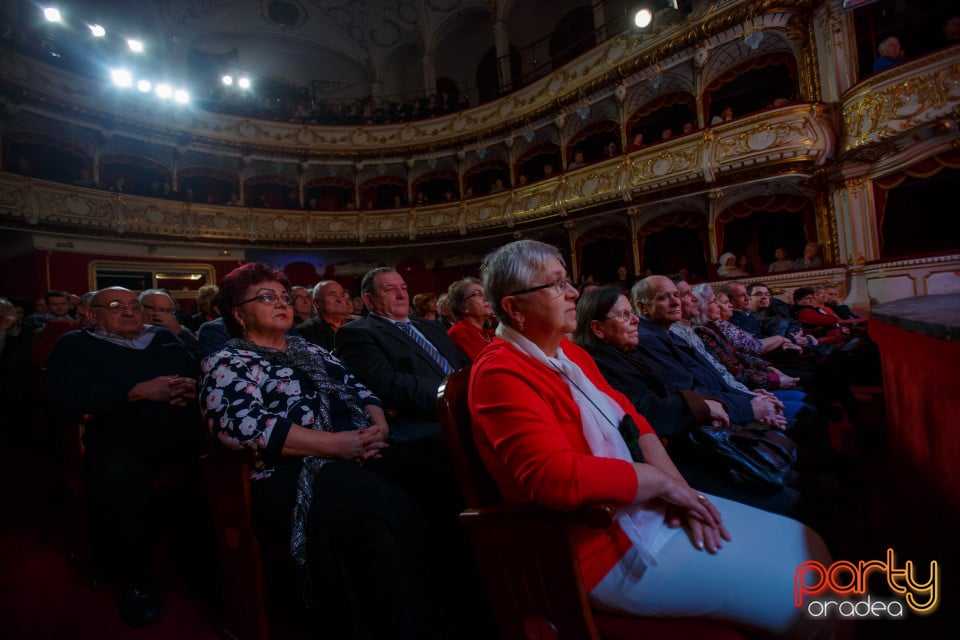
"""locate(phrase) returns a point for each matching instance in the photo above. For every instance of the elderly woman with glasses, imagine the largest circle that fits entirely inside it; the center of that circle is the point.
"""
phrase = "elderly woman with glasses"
(470, 333)
(552, 431)
(317, 429)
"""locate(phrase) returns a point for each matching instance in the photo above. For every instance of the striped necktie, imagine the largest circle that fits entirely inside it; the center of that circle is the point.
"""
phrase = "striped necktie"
(408, 328)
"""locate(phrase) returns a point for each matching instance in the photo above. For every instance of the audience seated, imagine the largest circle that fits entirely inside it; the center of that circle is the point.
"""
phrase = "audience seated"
(333, 311)
(425, 305)
(607, 330)
(782, 262)
(889, 54)
(470, 334)
(206, 306)
(546, 426)
(158, 310)
(811, 257)
(302, 304)
(139, 382)
(351, 532)
(727, 266)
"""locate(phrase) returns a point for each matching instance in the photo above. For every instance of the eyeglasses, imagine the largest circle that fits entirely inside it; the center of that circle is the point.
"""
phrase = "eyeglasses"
(560, 286)
(761, 294)
(623, 316)
(266, 296)
(115, 306)
(476, 294)
(150, 307)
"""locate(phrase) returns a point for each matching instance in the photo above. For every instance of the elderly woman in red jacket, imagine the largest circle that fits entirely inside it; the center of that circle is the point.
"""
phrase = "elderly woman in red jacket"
(549, 429)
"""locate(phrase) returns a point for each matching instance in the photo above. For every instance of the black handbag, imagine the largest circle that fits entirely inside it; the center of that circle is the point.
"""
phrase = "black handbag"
(753, 455)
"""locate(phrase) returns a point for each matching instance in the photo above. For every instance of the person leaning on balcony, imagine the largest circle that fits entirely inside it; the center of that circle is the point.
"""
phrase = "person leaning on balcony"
(890, 54)
(547, 426)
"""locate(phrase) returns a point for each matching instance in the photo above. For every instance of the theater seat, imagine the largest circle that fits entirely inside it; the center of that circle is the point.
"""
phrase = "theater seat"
(526, 554)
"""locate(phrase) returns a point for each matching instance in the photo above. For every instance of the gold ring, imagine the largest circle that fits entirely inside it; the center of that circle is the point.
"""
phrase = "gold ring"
(702, 498)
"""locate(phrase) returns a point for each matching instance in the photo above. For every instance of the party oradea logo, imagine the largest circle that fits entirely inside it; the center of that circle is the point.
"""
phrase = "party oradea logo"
(869, 589)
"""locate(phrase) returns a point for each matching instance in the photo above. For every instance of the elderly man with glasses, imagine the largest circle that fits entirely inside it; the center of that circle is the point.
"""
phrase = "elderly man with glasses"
(139, 383)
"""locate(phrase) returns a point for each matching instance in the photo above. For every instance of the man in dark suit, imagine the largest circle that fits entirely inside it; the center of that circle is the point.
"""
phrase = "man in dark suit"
(391, 354)
(404, 361)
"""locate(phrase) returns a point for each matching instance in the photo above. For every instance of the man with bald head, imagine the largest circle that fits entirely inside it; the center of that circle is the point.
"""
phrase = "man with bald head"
(139, 383)
(658, 303)
(333, 311)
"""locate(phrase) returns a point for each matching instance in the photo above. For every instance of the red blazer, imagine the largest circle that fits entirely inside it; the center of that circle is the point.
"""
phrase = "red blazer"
(469, 339)
(528, 432)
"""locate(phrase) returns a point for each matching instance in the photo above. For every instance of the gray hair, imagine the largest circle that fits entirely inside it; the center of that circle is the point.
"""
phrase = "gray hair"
(640, 293)
(511, 268)
(702, 292)
(457, 295)
(154, 292)
(318, 288)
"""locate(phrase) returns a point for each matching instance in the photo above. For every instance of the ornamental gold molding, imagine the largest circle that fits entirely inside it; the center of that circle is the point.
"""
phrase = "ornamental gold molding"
(901, 99)
(777, 143)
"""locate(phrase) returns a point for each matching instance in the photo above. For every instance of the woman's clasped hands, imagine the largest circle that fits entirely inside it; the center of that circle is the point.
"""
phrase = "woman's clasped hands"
(700, 517)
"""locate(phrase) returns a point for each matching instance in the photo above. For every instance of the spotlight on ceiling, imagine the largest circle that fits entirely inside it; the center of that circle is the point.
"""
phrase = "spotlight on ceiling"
(52, 14)
(243, 83)
(643, 17)
(144, 85)
(97, 31)
(135, 45)
(164, 91)
(121, 77)
(181, 96)
(227, 80)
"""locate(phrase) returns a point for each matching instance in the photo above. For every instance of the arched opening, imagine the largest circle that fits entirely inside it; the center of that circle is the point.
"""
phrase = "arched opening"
(757, 227)
(481, 177)
(751, 86)
(488, 74)
(602, 252)
(436, 185)
(268, 192)
(383, 192)
(924, 187)
(672, 242)
(574, 35)
(208, 185)
(328, 194)
(533, 163)
(663, 118)
(140, 176)
(48, 160)
(593, 141)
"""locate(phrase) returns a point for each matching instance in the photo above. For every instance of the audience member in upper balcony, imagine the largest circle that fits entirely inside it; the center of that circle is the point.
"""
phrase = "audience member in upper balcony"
(421, 200)
(727, 266)
(168, 192)
(726, 115)
(610, 150)
(302, 304)
(666, 134)
(548, 170)
(522, 180)
(577, 160)
(688, 128)
(84, 179)
(333, 311)
(448, 196)
(471, 333)
(783, 261)
(119, 185)
(292, 200)
(624, 280)
(636, 143)
(396, 202)
(811, 257)
(497, 186)
(951, 31)
(889, 54)
(139, 382)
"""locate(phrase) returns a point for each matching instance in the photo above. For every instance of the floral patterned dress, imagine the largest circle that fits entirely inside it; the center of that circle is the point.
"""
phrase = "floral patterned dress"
(250, 402)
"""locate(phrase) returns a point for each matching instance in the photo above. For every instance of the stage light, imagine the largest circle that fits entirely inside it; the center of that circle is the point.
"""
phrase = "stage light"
(144, 85)
(97, 31)
(52, 14)
(121, 77)
(164, 91)
(243, 83)
(135, 45)
(643, 18)
(181, 96)
(227, 80)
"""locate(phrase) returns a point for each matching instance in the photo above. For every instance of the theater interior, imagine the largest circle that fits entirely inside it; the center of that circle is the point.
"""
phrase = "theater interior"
(328, 138)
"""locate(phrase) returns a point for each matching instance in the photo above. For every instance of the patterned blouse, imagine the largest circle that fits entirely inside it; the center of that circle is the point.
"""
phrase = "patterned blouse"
(750, 370)
(740, 339)
(250, 402)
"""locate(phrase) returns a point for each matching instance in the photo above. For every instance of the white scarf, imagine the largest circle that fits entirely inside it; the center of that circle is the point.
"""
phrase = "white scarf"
(644, 524)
